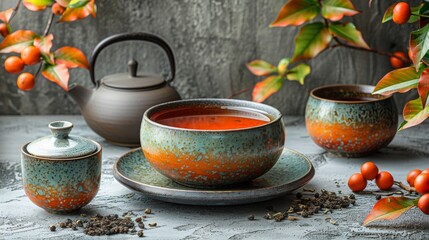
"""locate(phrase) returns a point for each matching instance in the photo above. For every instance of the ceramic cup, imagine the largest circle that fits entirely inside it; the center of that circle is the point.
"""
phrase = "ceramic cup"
(349, 121)
(212, 158)
(61, 183)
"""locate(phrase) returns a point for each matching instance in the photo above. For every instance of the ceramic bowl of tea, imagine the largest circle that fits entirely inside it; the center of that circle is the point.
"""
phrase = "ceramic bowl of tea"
(212, 143)
(349, 121)
(61, 172)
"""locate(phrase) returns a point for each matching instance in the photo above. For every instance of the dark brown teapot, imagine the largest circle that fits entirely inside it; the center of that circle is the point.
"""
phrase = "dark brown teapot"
(114, 108)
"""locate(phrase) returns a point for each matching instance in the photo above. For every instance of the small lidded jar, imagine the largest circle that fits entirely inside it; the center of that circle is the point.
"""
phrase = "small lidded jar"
(61, 172)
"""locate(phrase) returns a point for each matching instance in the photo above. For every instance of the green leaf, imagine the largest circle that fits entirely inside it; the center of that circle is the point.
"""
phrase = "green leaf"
(78, 3)
(311, 40)
(423, 86)
(296, 12)
(399, 80)
(58, 74)
(414, 113)
(261, 68)
(266, 88)
(389, 208)
(282, 66)
(299, 73)
(37, 5)
(348, 32)
(71, 57)
(388, 14)
(17, 41)
(419, 45)
(335, 10)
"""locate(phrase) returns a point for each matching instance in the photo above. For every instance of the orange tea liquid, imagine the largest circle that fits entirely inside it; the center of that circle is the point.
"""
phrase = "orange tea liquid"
(213, 118)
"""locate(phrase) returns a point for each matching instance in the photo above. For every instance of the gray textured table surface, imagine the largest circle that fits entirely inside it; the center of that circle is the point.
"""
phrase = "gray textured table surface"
(20, 219)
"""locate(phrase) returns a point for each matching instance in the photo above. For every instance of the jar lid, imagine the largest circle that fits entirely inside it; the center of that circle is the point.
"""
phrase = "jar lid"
(60, 144)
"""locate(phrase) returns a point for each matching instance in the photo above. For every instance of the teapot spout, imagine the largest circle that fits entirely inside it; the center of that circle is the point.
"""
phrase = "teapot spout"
(80, 95)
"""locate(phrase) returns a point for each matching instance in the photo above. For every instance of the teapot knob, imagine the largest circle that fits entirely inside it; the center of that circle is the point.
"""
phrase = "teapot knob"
(132, 67)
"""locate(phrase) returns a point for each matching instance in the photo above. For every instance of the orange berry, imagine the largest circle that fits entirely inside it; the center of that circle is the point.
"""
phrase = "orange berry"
(25, 81)
(398, 62)
(57, 9)
(412, 176)
(357, 182)
(30, 55)
(369, 170)
(421, 183)
(384, 180)
(423, 204)
(4, 31)
(426, 170)
(401, 13)
(14, 64)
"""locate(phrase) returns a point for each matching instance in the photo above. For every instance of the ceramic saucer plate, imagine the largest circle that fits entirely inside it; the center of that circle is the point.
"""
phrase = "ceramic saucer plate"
(292, 171)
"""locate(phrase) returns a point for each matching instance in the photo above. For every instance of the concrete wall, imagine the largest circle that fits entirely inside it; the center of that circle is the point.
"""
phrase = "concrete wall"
(212, 41)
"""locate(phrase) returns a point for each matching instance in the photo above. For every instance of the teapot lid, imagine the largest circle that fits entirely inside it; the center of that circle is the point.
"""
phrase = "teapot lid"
(131, 80)
(61, 144)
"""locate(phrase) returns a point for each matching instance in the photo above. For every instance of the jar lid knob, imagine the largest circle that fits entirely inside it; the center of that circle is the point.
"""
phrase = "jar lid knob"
(60, 129)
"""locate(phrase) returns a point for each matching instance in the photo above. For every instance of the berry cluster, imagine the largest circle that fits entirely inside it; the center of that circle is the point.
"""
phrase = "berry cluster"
(369, 171)
(420, 181)
(14, 64)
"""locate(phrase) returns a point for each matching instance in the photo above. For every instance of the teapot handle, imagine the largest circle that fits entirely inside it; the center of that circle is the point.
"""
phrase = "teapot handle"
(127, 37)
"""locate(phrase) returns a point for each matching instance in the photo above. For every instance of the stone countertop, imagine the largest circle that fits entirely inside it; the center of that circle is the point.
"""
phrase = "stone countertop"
(20, 219)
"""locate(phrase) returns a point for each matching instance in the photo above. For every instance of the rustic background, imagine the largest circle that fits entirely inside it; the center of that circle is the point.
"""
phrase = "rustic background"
(212, 41)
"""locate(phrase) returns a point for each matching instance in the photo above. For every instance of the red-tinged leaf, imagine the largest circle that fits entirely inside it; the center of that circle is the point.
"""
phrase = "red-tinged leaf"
(296, 12)
(44, 43)
(389, 208)
(349, 33)
(71, 57)
(423, 86)
(266, 88)
(73, 14)
(260, 68)
(310, 41)
(6, 15)
(299, 73)
(282, 66)
(335, 10)
(419, 45)
(58, 74)
(17, 41)
(63, 3)
(399, 80)
(414, 113)
(37, 5)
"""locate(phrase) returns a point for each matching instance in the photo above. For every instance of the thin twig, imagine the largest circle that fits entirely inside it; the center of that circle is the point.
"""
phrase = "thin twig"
(405, 187)
(240, 92)
(389, 54)
(15, 9)
(49, 24)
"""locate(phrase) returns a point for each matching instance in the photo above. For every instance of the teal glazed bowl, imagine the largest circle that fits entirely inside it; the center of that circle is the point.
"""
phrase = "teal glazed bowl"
(61, 173)
(212, 158)
(349, 121)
